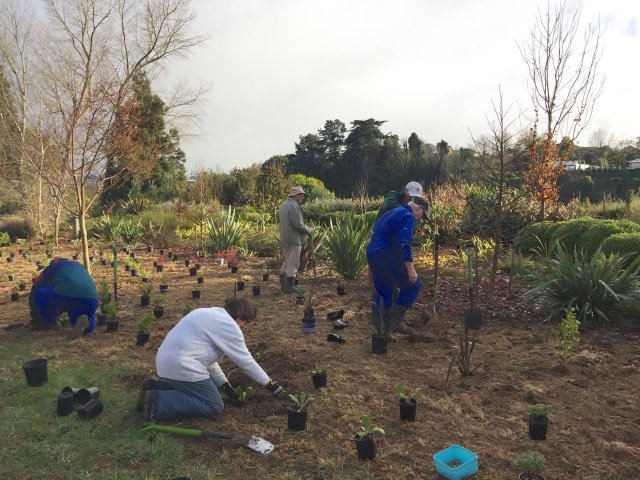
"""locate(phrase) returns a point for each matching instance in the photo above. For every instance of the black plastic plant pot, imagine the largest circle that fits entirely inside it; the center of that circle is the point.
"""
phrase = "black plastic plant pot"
(408, 410)
(15, 296)
(198, 266)
(341, 290)
(73, 391)
(175, 257)
(11, 277)
(538, 427)
(65, 404)
(103, 262)
(9, 259)
(378, 345)
(145, 279)
(195, 294)
(142, 338)
(256, 290)
(366, 447)
(265, 277)
(473, 319)
(86, 394)
(133, 255)
(296, 420)
(91, 409)
(112, 326)
(36, 372)
(144, 301)
(164, 288)
(158, 312)
(240, 285)
(531, 476)
(187, 263)
(134, 272)
(319, 380)
(102, 319)
(234, 269)
(127, 268)
(149, 249)
(159, 268)
(200, 280)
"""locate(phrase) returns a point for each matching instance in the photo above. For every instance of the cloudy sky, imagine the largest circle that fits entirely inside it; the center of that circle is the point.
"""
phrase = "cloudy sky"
(278, 69)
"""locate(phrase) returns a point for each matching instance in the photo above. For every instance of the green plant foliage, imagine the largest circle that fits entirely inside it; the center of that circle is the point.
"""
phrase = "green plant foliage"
(158, 301)
(534, 237)
(144, 324)
(104, 292)
(540, 410)
(107, 228)
(4, 239)
(593, 285)
(603, 229)
(225, 232)
(346, 245)
(301, 401)
(406, 395)
(244, 394)
(622, 244)
(188, 307)
(570, 233)
(313, 187)
(318, 370)
(530, 462)
(568, 332)
(323, 211)
(264, 242)
(17, 227)
(130, 232)
(367, 428)
(146, 289)
(110, 310)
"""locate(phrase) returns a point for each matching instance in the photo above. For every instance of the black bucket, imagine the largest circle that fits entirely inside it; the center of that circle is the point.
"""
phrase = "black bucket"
(65, 404)
(84, 395)
(91, 409)
(36, 372)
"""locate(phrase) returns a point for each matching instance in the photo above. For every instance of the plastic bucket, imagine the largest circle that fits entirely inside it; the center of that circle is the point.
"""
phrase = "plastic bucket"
(36, 372)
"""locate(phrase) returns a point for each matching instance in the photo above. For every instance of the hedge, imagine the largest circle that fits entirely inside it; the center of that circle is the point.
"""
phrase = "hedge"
(622, 243)
(603, 229)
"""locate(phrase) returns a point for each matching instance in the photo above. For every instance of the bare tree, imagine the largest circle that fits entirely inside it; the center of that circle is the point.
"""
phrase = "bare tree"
(494, 159)
(562, 59)
(601, 138)
(93, 51)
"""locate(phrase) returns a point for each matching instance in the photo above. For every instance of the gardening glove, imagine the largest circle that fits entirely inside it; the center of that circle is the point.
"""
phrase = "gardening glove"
(231, 393)
(274, 388)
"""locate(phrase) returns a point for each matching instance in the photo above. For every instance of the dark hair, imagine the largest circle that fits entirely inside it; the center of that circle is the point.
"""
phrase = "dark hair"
(240, 309)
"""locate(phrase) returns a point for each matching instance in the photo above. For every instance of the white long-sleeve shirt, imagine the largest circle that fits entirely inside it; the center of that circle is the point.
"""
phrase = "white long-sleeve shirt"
(191, 350)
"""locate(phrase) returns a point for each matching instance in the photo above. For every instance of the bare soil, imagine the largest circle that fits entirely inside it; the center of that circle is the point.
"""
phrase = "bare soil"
(595, 421)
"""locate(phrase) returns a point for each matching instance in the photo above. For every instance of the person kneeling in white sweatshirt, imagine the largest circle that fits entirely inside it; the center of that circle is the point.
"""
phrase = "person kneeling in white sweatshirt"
(187, 363)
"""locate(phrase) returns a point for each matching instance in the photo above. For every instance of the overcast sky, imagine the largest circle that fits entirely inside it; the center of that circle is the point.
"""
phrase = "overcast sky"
(278, 69)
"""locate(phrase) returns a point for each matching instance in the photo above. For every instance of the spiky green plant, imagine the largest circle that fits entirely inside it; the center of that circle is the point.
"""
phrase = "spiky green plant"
(225, 232)
(592, 285)
(130, 232)
(107, 228)
(346, 244)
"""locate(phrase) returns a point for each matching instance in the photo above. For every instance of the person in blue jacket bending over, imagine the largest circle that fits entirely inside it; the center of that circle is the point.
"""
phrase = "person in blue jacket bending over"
(391, 262)
(64, 286)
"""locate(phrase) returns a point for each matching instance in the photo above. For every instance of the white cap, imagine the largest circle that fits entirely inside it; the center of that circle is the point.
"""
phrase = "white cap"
(414, 189)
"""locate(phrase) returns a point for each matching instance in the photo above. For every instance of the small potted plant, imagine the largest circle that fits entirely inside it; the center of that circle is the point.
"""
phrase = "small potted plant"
(144, 274)
(365, 438)
(407, 402)
(104, 293)
(319, 377)
(195, 294)
(22, 285)
(539, 421)
(186, 309)
(158, 307)
(144, 330)
(193, 271)
(341, 289)
(298, 412)
(200, 279)
(111, 311)
(145, 294)
(11, 276)
(309, 319)
(164, 286)
(15, 294)
(265, 276)
(159, 267)
(135, 266)
(531, 465)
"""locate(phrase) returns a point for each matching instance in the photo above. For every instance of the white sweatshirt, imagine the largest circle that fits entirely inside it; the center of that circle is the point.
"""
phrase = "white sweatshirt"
(191, 350)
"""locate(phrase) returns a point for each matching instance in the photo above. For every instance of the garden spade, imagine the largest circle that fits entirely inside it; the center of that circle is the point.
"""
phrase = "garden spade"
(253, 442)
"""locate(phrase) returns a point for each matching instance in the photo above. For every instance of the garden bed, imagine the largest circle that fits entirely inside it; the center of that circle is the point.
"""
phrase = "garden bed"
(593, 427)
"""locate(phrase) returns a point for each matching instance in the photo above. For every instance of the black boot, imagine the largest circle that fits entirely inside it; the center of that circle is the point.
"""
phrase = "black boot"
(289, 286)
(283, 278)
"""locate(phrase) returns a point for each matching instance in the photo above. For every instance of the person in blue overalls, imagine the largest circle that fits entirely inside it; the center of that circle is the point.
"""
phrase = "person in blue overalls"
(64, 286)
(391, 262)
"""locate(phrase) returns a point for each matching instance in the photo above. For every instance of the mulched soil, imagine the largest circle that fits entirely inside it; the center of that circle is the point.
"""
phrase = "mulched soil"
(595, 418)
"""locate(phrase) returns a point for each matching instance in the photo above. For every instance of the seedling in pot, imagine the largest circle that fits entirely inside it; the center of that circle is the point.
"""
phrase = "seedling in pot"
(104, 292)
(319, 377)
(368, 429)
(301, 401)
(144, 324)
(110, 310)
(539, 410)
(407, 396)
(531, 465)
(186, 309)
(317, 371)
(146, 289)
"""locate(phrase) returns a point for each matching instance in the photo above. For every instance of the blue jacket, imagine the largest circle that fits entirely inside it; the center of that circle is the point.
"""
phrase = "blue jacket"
(393, 232)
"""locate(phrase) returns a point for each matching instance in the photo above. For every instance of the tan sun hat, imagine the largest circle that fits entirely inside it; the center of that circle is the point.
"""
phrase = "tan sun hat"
(296, 191)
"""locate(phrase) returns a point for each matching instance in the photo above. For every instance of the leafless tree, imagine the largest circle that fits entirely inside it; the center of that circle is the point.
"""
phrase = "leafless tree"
(562, 59)
(93, 50)
(601, 138)
(494, 158)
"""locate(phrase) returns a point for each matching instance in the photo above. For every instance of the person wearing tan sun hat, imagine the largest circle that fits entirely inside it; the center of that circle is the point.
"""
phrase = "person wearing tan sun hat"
(292, 233)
